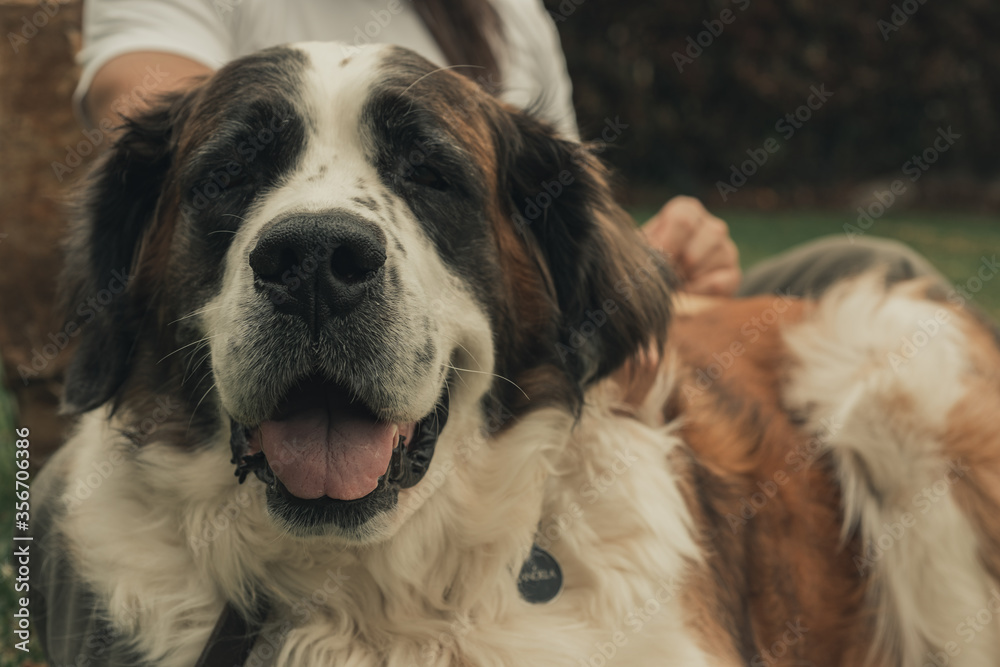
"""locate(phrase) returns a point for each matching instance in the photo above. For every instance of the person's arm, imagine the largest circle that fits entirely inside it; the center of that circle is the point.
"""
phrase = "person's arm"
(136, 50)
(120, 86)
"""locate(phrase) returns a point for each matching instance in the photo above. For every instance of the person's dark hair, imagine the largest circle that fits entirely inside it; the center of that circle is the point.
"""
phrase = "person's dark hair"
(466, 31)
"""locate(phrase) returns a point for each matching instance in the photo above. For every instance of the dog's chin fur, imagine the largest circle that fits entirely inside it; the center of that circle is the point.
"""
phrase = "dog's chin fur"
(701, 507)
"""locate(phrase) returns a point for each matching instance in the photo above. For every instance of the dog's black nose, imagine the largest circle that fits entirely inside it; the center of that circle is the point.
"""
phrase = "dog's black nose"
(320, 264)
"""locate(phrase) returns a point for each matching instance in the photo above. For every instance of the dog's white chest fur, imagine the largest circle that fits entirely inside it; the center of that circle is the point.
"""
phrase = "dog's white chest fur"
(443, 590)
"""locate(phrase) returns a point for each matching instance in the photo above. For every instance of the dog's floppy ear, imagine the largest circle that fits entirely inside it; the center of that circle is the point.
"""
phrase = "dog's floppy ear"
(612, 288)
(117, 208)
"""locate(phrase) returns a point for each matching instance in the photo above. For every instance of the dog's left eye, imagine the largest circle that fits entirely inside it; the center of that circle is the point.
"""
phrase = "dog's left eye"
(427, 177)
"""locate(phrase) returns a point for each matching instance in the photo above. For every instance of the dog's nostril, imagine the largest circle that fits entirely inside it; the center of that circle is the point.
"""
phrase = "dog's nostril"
(345, 265)
(356, 264)
(270, 263)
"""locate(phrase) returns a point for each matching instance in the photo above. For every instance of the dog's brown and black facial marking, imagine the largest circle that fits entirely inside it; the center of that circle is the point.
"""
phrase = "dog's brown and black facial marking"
(161, 207)
(434, 141)
(237, 156)
(470, 168)
(435, 154)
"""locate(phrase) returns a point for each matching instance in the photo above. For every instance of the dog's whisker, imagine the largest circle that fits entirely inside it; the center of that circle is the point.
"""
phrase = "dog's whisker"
(470, 370)
(198, 405)
(455, 341)
(460, 378)
(189, 368)
(203, 377)
(440, 69)
(182, 347)
(200, 311)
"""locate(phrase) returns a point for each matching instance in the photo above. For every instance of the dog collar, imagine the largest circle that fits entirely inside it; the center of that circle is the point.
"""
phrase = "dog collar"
(233, 637)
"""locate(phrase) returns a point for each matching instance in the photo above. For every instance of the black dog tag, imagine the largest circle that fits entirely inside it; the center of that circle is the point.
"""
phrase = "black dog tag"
(540, 579)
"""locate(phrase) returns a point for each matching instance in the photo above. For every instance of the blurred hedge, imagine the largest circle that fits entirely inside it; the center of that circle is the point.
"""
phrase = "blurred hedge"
(892, 90)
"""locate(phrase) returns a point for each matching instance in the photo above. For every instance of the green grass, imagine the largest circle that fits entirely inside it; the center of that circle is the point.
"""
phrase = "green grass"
(955, 244)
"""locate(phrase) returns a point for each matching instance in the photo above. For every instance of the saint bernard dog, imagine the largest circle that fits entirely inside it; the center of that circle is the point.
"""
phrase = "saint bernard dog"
(394, 383)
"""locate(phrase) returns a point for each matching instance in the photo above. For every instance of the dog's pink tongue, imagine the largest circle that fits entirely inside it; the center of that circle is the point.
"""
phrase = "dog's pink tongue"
(328, 451)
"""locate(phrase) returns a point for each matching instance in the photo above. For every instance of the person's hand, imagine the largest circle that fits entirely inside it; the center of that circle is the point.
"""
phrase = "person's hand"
(698, 245)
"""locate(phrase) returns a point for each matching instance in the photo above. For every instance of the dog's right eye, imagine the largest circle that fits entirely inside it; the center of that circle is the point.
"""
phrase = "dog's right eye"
(426, 176)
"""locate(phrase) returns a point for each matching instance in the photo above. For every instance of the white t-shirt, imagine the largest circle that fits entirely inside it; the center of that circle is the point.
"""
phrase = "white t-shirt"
(213, 32)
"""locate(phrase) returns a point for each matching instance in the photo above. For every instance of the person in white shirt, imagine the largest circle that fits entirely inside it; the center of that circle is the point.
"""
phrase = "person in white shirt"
(124, 41)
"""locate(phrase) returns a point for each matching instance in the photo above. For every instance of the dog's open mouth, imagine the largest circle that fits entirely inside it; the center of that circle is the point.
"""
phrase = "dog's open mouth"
(320, 444)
